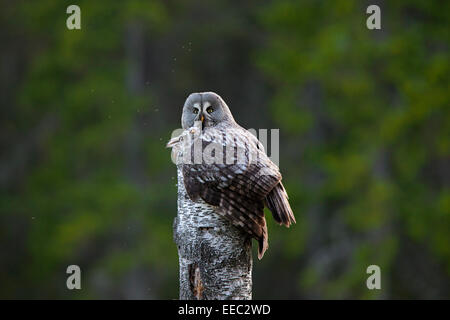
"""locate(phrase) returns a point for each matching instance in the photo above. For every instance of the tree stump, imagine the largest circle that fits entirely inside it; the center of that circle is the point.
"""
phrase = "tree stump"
(215, 258)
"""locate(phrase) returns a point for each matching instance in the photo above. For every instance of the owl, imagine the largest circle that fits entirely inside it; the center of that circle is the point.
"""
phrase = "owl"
(226, 166)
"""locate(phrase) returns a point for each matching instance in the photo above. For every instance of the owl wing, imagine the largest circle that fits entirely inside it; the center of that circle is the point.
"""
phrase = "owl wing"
(238, 184)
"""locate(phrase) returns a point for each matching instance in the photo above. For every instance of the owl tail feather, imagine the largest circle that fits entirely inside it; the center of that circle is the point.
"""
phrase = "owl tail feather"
(277, 202)
(263, 244)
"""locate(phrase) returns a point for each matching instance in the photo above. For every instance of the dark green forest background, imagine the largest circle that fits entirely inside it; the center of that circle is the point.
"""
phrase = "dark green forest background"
(364, 141)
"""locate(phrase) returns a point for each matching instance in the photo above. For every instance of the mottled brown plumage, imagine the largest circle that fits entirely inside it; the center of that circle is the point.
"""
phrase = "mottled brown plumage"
(227, 167)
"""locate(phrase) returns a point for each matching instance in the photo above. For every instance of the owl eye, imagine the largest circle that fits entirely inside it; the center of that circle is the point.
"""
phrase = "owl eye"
(195, 111)
(209, 109)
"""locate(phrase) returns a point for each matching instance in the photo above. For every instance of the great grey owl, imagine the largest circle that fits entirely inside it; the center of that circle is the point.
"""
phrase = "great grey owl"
(227, 167)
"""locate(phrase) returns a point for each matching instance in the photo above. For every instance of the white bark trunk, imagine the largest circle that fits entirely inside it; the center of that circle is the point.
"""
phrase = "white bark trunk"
(215, 258)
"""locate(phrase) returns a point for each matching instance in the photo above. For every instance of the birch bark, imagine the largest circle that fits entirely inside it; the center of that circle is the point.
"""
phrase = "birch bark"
(215, 258)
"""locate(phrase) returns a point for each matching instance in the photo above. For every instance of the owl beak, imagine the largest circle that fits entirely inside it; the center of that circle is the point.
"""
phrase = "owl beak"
(202, 121)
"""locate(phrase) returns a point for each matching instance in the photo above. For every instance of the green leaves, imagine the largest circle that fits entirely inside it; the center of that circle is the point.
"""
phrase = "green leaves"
(373, 125)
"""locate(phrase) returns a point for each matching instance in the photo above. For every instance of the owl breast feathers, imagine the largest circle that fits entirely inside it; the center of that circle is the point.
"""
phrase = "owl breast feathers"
(228, 168)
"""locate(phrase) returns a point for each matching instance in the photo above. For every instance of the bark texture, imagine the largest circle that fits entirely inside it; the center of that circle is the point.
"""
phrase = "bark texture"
(215, 258)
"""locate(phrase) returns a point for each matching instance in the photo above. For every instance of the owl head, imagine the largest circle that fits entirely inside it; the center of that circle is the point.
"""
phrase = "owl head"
(206, 107)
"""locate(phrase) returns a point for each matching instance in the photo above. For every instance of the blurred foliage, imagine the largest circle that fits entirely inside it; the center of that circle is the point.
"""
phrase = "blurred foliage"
(364, 122)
